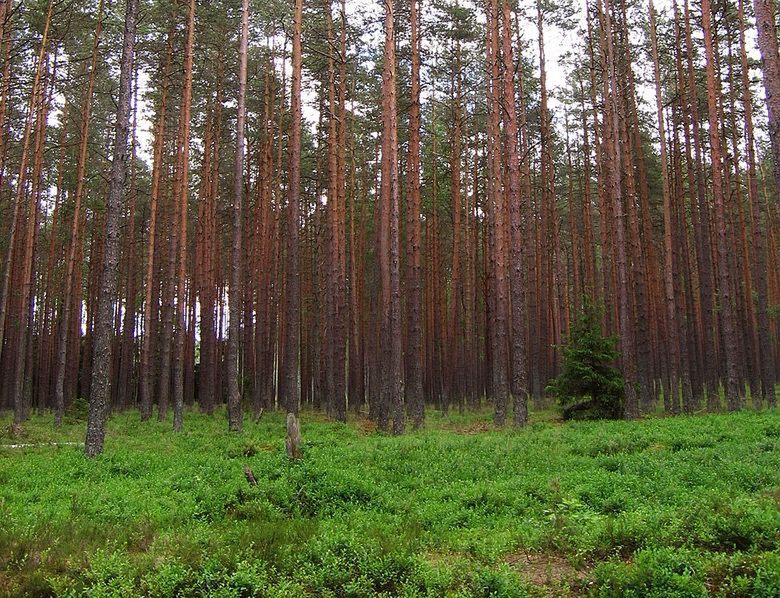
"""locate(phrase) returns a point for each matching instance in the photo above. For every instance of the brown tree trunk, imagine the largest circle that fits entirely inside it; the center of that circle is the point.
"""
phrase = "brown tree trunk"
(759, 222)
(496, 208)
(150, 306)
(5, 89)
(292, 306)
(414, 318)
(703, 242)
(718, 192)
(22, 179)
(75, 234)
(611, 91)
(393, 383)
(180, 201)
(673, 341)
(25, 316)
(235, 418)
(519, 381)
(125, 386)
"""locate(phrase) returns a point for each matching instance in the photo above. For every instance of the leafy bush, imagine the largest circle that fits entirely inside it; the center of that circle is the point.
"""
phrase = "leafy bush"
(589, 387)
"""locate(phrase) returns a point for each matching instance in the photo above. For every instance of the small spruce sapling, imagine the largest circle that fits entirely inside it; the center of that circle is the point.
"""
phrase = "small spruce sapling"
(589, 386)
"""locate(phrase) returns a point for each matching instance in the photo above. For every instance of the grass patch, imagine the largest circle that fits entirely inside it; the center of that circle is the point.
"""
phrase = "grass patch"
(682, 506)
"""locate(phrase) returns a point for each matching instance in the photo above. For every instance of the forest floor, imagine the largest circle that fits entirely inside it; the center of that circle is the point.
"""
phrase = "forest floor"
(683, 506)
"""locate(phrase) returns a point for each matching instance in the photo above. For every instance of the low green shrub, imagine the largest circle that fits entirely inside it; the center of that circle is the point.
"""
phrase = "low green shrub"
(659, 507)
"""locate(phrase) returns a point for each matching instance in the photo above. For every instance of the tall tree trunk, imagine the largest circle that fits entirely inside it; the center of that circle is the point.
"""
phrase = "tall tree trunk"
(5, 89)
(414, 318)
(75, 234)
(673, 341)
(718, 192)
(292, 305)
(235, 419)
(125, 385)
(496, 205)
(393, 383)
(99, 399)
(340, 361)
(703, 242)
(180, 201)
(25, 317)
(453, 338)
(611, 100)
(760, 221)
(519, 381)
(150, 306)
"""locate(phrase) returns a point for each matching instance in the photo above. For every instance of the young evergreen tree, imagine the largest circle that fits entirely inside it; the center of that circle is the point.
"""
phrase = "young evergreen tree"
(589, 385)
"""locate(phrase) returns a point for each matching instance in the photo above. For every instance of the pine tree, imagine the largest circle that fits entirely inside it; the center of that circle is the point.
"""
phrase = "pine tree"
(589, 386)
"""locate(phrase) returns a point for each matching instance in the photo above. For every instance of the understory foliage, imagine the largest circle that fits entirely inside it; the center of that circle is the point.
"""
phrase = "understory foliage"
(589, 386)
(683, 506)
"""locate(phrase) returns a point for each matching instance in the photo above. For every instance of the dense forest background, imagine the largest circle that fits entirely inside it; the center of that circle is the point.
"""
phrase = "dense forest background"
(416, 216)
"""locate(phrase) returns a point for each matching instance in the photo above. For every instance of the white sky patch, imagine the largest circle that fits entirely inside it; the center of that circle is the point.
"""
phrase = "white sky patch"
(145, 127)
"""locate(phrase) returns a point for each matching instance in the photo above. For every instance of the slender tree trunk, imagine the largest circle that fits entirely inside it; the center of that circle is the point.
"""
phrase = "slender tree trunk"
(75, 233)
(292, 306)
(235, 420)
(760, 221)
(125, 385)
(673, 342)
(496, 205)
(453, 338)
(703, 243)
(25, 318)
(180, 200)
(414, 318)
(51, 292)
(588, 242)
(393, 383)
(5, 89)
(766, 26)
(150, 306)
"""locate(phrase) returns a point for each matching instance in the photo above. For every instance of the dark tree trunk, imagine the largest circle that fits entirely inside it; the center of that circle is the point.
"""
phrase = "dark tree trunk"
(292, 306)
(99, 399)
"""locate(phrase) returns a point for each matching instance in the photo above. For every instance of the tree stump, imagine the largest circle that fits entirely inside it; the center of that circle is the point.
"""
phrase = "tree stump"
(293, 440)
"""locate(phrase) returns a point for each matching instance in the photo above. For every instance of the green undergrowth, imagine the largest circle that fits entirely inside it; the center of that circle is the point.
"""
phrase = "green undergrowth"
(685, 506)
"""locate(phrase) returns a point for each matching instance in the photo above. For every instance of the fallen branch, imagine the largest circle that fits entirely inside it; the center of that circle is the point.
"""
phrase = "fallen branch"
(250, 477)
(41, 444)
